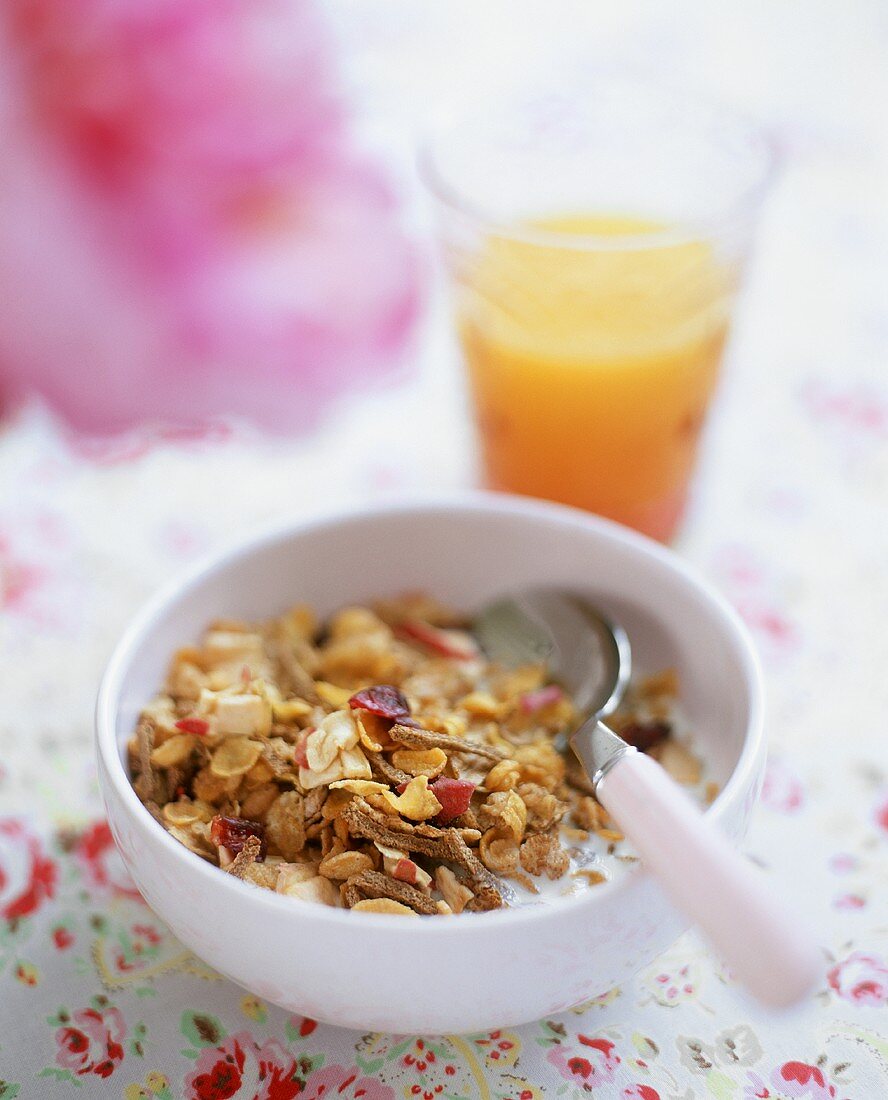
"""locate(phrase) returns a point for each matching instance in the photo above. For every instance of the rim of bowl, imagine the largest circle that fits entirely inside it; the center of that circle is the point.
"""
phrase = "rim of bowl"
(472, 502)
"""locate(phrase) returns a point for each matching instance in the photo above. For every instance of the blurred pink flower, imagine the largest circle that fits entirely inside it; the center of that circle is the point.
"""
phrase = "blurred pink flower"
(185, 229)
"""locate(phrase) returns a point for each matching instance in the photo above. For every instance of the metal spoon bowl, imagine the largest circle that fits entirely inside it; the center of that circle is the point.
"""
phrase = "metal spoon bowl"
(587, 654)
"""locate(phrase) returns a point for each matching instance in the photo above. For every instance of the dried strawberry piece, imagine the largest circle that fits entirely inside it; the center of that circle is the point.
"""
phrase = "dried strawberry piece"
(232, 833)
(532, 701)
(454, 796)
(644, 735)
(447, 643)
(198, 726)
(384, 700)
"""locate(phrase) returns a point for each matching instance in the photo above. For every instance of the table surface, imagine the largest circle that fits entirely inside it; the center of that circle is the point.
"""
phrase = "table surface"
(788, 520)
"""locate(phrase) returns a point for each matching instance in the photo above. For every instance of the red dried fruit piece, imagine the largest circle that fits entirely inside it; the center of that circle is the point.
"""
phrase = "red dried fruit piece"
(454, 796)
(405, 870)
(198, 726)
(532, 701)
(232, 833)
(447, 643)
(384, 700)
(300, 753)
(644, 735)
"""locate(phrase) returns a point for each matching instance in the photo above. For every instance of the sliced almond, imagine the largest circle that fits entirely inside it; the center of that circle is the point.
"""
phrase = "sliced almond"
(234, 757)
(332, 695)
(182, 813)
(383, 905)
(417, 802)
(427, 762)
(175, 750)
(343, 866)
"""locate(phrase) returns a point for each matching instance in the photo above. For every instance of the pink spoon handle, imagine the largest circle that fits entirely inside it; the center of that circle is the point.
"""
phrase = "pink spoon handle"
(710, 882)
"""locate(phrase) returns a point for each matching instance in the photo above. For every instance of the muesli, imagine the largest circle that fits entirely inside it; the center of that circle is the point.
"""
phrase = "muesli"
(379, 762)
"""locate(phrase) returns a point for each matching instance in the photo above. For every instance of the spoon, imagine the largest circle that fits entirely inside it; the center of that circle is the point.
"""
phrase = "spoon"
(696, 866)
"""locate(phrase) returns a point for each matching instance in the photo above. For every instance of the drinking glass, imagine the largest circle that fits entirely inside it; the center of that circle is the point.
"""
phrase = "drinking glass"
(595, 244)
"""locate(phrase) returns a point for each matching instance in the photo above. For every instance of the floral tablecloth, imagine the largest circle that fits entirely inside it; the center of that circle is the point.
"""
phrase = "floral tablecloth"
(97, 999)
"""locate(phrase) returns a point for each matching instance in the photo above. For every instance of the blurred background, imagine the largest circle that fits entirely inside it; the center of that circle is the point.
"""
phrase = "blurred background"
(220, 305)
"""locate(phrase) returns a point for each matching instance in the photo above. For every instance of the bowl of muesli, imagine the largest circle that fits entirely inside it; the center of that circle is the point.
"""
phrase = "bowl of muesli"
(326, 789)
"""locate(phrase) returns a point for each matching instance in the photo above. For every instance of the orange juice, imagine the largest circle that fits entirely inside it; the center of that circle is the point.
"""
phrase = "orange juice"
(592, 359)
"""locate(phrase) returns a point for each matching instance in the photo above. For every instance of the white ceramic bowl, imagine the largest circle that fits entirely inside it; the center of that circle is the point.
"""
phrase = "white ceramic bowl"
(475, 971)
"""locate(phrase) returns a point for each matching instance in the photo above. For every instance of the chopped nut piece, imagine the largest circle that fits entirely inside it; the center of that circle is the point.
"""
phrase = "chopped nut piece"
(242, 715)
(454, 892)
(291, 873)
(316, 889)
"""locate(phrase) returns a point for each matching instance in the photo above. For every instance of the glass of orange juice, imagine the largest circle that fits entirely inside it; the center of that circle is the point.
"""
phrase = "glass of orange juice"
(595, 245)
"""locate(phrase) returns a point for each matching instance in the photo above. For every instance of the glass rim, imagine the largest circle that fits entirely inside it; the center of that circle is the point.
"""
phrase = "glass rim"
(688, 229)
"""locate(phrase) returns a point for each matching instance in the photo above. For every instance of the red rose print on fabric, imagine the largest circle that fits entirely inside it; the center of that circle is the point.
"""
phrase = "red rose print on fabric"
(880, 814)
(798, 1079)
(101, 864)
(854, 411)
(91, 1043)
(27, 876)
(782, 790)
(344, 1083)
(62, 938)
(240, 1069)
(19, 581)
(849, 901)
(592, 1066)
(861, 979)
